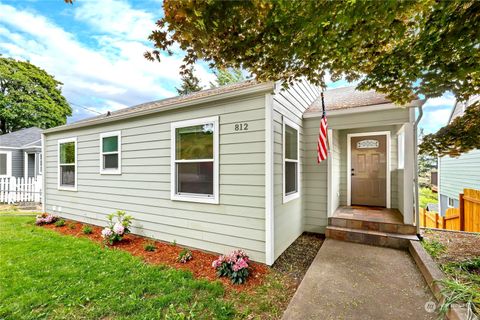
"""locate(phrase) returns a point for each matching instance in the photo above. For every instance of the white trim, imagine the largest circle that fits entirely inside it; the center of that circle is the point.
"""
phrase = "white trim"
(59, 142)
(439, 189)
(269, 182)
(25, 164)
(257, 88)
(28, 144)
(296, 195)
(193, 197)
(349, 163)
(44, 180)
(401, 148)
(117, 134)
(330, 174)
(9, 164)
(408, 174)
(370, 108)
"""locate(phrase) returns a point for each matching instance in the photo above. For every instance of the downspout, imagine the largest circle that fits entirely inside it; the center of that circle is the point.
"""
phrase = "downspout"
(415, 168)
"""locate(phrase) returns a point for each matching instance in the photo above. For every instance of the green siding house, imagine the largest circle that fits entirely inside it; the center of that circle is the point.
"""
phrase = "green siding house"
(458, 173)
(230, 167)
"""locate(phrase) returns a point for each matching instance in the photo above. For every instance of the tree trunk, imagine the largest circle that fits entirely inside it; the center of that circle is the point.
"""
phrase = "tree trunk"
(3, 126)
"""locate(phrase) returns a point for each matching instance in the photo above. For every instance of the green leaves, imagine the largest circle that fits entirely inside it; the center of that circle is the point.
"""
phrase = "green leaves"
(401, 48)
(29, 97)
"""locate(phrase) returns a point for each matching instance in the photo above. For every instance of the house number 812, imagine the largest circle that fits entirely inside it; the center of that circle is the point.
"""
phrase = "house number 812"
(241, 126)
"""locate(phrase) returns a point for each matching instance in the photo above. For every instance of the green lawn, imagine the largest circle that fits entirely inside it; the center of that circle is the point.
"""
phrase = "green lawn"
(426, 196)
(44, 275)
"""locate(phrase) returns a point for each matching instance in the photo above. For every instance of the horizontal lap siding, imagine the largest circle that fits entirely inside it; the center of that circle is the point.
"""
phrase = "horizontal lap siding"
(459, 173)
(314, 181)
(143, 188)
(289, 218)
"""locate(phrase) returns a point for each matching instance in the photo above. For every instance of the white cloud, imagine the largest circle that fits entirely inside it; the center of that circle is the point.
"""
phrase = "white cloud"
(111, 76)
(437, 112)
(448, 99)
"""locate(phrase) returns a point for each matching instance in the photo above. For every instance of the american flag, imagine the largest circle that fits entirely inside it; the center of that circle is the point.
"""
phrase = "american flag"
(322, 150)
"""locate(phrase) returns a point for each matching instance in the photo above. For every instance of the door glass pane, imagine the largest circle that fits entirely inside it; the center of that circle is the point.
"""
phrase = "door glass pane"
(290, 177)
(110, 161)
(67, 152)
(3, 164)
(67, 176)
(195, 142)
(195, 178)
(110, 144)
(291, 148)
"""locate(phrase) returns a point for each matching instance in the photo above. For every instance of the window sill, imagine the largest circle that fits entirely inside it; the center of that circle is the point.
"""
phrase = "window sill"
(117, 172)
(198, 199)
(67, 188)
(290, 197)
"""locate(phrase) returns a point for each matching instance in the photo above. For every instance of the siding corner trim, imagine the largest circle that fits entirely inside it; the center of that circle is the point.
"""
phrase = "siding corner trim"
(269, 183)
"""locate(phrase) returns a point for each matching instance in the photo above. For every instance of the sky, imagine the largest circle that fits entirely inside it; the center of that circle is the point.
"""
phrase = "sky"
(95, 48)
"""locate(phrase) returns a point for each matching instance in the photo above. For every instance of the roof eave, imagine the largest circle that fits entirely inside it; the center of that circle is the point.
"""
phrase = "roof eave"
(367, 108)
(255, 89)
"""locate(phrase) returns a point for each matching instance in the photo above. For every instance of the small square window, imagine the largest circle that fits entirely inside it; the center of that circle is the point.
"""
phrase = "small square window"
(110, 153)
(451, 202)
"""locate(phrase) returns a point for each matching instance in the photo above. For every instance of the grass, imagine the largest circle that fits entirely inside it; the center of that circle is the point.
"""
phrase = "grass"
(433, 247)
(44, 275)
(463, 284)
(427, 196)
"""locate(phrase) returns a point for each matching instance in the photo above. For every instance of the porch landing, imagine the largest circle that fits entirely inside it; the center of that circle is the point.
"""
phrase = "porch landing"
(370, 225)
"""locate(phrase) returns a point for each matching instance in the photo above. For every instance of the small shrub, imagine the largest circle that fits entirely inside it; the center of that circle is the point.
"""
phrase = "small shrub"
(87, 230)
(174, 243)
(433, 247)
(116, 230)
(185, 256)
(45, 218)
(71, 226)
(59, 223)
(235, 266)
(150, 246)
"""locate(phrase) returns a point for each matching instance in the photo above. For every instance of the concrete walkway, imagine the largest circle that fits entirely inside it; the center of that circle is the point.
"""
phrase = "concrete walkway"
(356, 281)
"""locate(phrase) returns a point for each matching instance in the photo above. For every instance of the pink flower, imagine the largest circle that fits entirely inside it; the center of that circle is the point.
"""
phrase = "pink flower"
(118, 229)
(239, 265)
(217, 263)
(107, 232)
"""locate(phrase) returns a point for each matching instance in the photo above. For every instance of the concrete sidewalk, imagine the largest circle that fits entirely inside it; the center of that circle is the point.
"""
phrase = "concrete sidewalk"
(356, 281)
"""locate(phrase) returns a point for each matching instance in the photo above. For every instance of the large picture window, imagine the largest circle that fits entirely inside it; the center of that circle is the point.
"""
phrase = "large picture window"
(110, 153)
(195, 160)
(290, 161)
(67, 164)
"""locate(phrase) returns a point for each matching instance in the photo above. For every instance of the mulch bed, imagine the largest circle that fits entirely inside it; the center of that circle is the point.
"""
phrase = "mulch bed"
(460, 246)
(296, 260)
(167, 254)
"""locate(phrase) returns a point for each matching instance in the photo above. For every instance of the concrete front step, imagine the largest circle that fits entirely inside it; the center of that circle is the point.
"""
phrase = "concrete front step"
(387, 227)
(375, 238)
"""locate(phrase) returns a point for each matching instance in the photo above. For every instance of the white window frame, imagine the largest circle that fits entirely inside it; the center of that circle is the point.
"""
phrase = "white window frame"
(401, 149)
(9, 164)
(117, 134)
(295, 195)
(66, 188)
(40, 162)
(448, 202)
(214, 199)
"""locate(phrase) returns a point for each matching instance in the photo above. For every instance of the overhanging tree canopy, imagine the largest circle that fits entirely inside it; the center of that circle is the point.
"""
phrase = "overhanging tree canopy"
(29, 97)
(400, 48)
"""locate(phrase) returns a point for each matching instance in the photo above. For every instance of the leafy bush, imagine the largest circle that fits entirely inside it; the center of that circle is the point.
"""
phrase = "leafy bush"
(185, 256)
(59, 223)
(71, 226)
(150, 246)
(87, 230)
(45, 218)
(235, 266)
(116, 230)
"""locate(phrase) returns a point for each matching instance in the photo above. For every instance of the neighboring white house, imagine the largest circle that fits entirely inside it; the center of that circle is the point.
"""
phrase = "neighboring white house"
(20, 153)
(235, 166)
(457, 173)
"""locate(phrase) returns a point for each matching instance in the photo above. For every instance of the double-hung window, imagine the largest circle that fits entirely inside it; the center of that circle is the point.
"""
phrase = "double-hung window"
(195, 160)
(111, 153)
(291, 165)
(67, 164)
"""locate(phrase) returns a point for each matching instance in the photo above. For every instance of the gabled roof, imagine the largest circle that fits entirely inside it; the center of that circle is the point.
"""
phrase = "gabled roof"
(346, 98)
(208, 95)
(29, 137)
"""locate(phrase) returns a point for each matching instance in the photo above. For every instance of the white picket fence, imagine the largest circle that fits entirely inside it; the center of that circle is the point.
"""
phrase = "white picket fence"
(18, 190)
